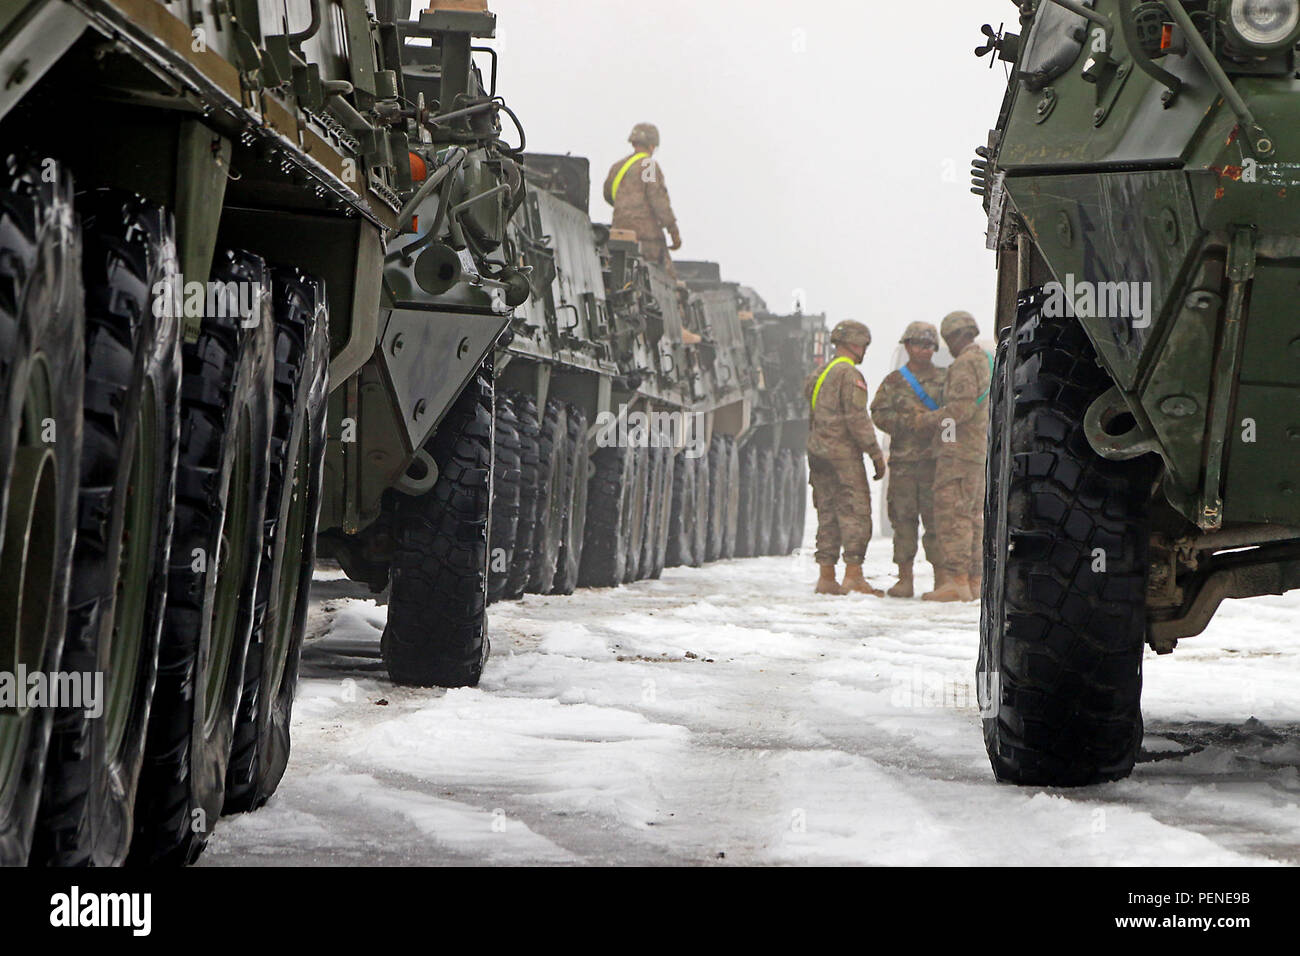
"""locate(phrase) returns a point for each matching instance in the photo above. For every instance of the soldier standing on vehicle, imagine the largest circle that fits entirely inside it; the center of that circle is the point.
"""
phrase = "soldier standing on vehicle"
(635, 188)
(915, 388)
(841, 433)
(963, 424)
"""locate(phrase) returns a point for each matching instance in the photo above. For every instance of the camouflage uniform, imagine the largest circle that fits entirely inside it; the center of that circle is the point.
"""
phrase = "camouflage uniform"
(963, 424)
(841, 433)
(642, 204)
(911, 460)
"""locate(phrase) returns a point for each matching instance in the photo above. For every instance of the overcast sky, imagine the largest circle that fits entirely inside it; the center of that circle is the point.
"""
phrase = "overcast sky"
(818, 145)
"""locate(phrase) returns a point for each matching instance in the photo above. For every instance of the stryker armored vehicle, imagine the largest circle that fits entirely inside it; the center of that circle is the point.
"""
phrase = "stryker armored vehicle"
(214, 216)
(642, 421)
(1144, 453)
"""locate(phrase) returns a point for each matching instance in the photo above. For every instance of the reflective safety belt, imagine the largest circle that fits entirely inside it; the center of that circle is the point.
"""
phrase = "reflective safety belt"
(618, 180)
(985, 397)
(821, 380)
(919, 389)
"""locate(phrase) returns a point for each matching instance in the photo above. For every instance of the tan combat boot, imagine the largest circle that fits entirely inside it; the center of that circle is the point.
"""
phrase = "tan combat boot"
(904, 587)
(956, 587)
(854, 582)
(940, 576)
(976, 584)
(826, 583)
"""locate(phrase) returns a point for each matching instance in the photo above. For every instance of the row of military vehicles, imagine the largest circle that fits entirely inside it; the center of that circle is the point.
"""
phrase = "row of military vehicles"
(1143, 191)
(279, 282)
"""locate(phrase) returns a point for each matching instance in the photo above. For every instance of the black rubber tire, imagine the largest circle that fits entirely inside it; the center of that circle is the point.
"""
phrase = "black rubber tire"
(747, 503)
(681, 528)
(699, 520)
(637, 504)
(41, 328)
(783, 500)
(604, 546)
(800, 518)
(719, 458)
(1060, 671)
(662, 508)
(575, 516)
(133, 370)
(521, 557)
(226, 401)
(731, 500)
(260, 751)
(764, 500)
(506, 477)
(554, 491)
(437, 632)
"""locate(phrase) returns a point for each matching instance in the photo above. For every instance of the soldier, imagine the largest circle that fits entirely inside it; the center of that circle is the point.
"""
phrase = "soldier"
(904, 394)
(841, 432)
(635, 188)
(963, 423)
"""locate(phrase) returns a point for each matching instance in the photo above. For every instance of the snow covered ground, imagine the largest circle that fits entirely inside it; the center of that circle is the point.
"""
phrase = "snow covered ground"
(726, 715)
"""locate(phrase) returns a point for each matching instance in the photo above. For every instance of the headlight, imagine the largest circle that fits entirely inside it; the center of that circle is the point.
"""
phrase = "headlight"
(1265, 24)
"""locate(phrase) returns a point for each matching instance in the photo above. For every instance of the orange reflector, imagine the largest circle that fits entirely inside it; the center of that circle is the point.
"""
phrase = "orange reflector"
(419, 171)
(1167, 37)
(415, 224)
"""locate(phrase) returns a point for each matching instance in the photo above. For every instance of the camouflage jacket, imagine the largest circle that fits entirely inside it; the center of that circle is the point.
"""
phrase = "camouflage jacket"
(642, 204)
(895, 409)
(841, 424)
(963, 421)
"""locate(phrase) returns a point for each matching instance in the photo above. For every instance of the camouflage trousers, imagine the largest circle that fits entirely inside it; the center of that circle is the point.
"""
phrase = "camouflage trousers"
(842, 498)
(910, 499)
(959, 515)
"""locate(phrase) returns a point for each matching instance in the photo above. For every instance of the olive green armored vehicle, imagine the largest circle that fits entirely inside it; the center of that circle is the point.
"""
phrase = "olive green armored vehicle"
(1143, 191)
(643, 421)
(246, 278)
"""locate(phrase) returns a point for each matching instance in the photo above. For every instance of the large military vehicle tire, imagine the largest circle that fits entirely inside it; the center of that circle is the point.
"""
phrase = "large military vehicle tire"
(764, 500)
(719, 489)
(783, 510)
(731, 501)
(662, 507)
(41, 381)
(554, 492)
(637, 505)
(221, 483)
(521, 558)
(506, 478)
(260, 751)
(747, 503)
(681, 526)
(130, 433)
(1060, 669)
(437, 614)
(700, 519)
(604, 547)
(575, 515)
(800, 520)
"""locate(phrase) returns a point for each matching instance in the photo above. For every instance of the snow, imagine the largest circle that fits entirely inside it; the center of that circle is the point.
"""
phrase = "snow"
(728, 715)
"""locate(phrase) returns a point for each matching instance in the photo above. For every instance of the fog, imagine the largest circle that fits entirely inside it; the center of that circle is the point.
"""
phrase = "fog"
(819, 148)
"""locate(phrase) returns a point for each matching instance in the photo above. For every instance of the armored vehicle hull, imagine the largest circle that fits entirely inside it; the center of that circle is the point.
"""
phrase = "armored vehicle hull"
(201, 207)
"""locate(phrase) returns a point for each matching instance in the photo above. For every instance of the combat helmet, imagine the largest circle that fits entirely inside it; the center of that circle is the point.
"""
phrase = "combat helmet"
(956, 322)
(647, 133)
(921, 332)
(852, 333)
